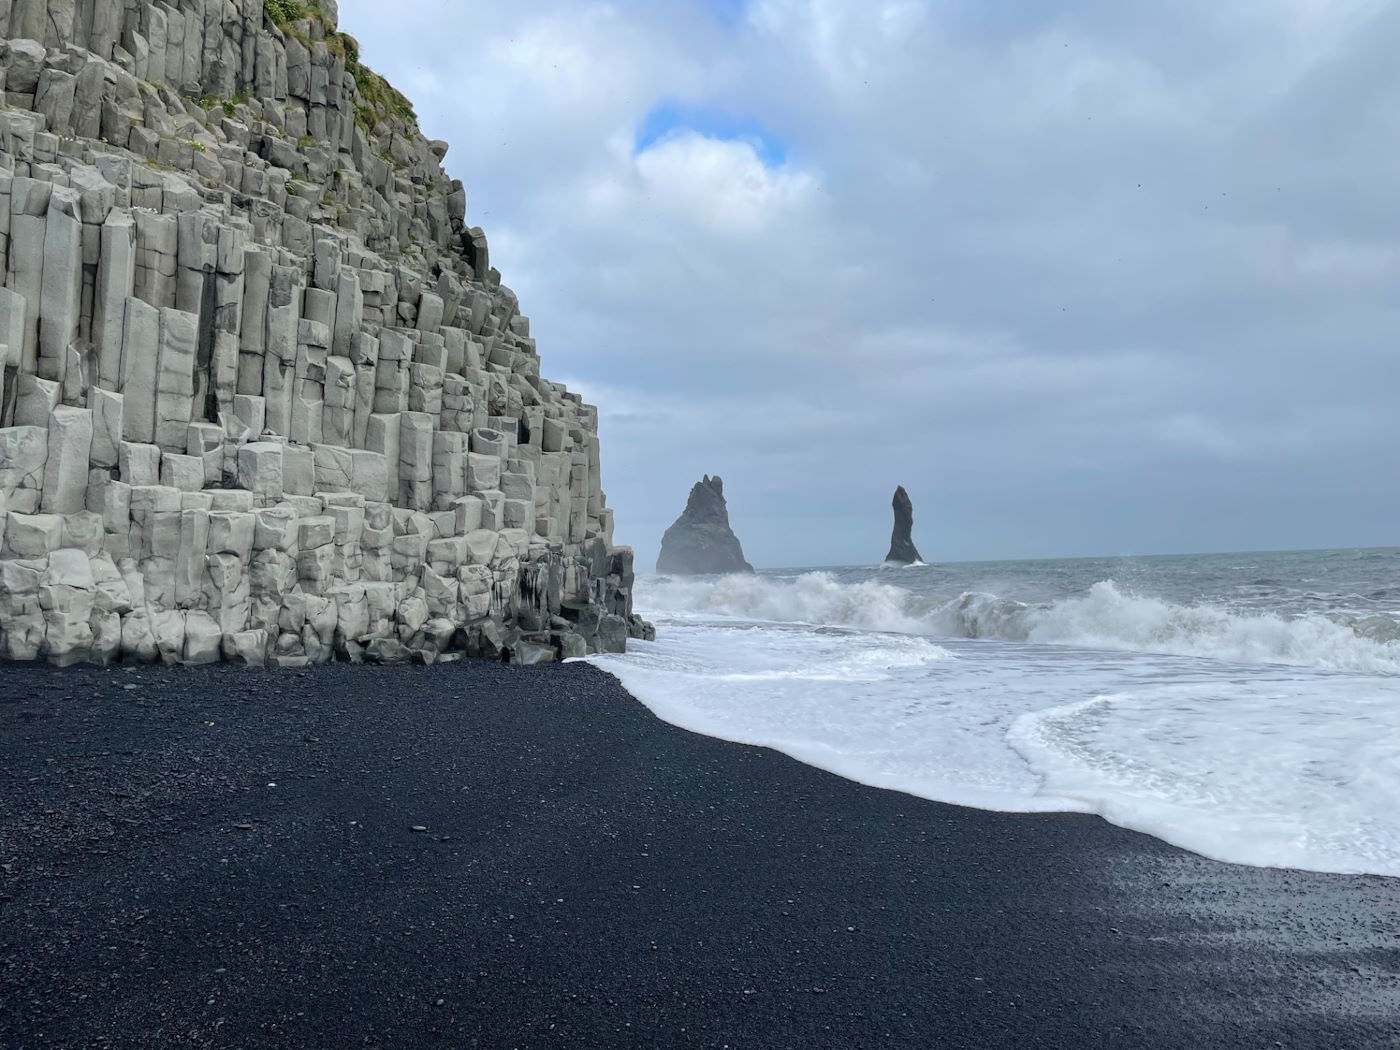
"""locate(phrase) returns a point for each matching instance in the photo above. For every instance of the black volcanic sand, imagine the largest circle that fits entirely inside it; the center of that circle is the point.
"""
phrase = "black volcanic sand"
(219, 857)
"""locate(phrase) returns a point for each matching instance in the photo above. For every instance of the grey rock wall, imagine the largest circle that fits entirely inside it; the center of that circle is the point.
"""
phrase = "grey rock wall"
(264, 399)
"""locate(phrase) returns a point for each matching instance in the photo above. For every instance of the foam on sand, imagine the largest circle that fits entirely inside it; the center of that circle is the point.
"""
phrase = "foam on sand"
(1274, 772)
(1232, 734)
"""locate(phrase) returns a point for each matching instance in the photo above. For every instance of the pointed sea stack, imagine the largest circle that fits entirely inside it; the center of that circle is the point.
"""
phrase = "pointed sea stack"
(902, 549)
(700, 542)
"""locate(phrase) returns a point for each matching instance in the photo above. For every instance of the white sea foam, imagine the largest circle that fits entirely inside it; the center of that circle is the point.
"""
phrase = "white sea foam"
(1107, 617)
(855, 703)
(814, 597)
(1181, 721)
(1277, 772)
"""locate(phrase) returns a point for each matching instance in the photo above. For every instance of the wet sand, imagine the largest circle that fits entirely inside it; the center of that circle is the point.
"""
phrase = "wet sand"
(471, 855)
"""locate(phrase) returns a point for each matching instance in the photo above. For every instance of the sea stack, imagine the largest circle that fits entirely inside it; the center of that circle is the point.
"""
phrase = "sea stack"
(700, 541)
(264, 397)
(902, 549)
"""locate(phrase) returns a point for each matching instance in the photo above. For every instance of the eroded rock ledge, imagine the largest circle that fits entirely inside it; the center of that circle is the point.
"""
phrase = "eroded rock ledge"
(264, 397)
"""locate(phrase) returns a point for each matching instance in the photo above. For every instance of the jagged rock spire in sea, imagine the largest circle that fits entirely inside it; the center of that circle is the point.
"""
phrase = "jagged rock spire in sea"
(902, 549)
(700, 541)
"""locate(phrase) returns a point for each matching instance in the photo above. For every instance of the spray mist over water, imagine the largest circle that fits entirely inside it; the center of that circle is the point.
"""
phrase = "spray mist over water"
(1107, 617)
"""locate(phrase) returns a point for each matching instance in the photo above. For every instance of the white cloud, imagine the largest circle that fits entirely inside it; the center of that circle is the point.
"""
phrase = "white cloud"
(722, 187)
(1026, 260)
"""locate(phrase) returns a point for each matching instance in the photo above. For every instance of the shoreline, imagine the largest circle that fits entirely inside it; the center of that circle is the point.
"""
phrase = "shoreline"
(587, 874)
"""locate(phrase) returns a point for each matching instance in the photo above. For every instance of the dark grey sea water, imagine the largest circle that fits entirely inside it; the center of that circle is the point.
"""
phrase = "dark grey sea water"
(1349, 584)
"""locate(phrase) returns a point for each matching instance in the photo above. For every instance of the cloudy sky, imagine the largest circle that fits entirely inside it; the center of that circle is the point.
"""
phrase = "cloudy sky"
(1086, 277)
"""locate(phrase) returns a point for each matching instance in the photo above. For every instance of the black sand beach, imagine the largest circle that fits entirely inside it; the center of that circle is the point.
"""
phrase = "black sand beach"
(225, 858)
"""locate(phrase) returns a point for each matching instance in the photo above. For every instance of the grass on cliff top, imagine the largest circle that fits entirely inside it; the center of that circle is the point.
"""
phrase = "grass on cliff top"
(377, 95)
(284, 12)
(378, 98)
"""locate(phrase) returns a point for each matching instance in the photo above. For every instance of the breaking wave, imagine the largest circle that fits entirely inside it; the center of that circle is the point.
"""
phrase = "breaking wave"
(1105, 617)
(816, 598)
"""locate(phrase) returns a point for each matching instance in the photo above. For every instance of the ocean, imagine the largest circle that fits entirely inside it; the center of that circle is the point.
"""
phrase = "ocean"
(1243, 706)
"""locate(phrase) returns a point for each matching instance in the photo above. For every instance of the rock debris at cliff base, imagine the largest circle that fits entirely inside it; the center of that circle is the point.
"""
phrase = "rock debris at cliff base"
(264, 398)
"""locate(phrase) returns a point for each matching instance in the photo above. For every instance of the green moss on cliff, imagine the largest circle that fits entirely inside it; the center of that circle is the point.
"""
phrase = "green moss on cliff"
(378, 99)
(284, 12)
(381, 99)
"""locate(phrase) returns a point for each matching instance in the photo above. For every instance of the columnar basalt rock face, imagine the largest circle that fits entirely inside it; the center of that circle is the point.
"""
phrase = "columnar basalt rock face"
(263, 397)
(902, 549)
(700, 542)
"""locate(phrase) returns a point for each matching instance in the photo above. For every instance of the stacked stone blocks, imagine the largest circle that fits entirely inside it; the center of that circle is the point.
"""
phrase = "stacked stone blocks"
(263, 397)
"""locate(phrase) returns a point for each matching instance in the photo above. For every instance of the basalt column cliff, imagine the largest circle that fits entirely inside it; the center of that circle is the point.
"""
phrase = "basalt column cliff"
(264, 397)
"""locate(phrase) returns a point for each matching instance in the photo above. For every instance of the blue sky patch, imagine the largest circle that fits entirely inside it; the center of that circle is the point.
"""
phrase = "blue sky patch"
(668, 119)
(730, 12)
